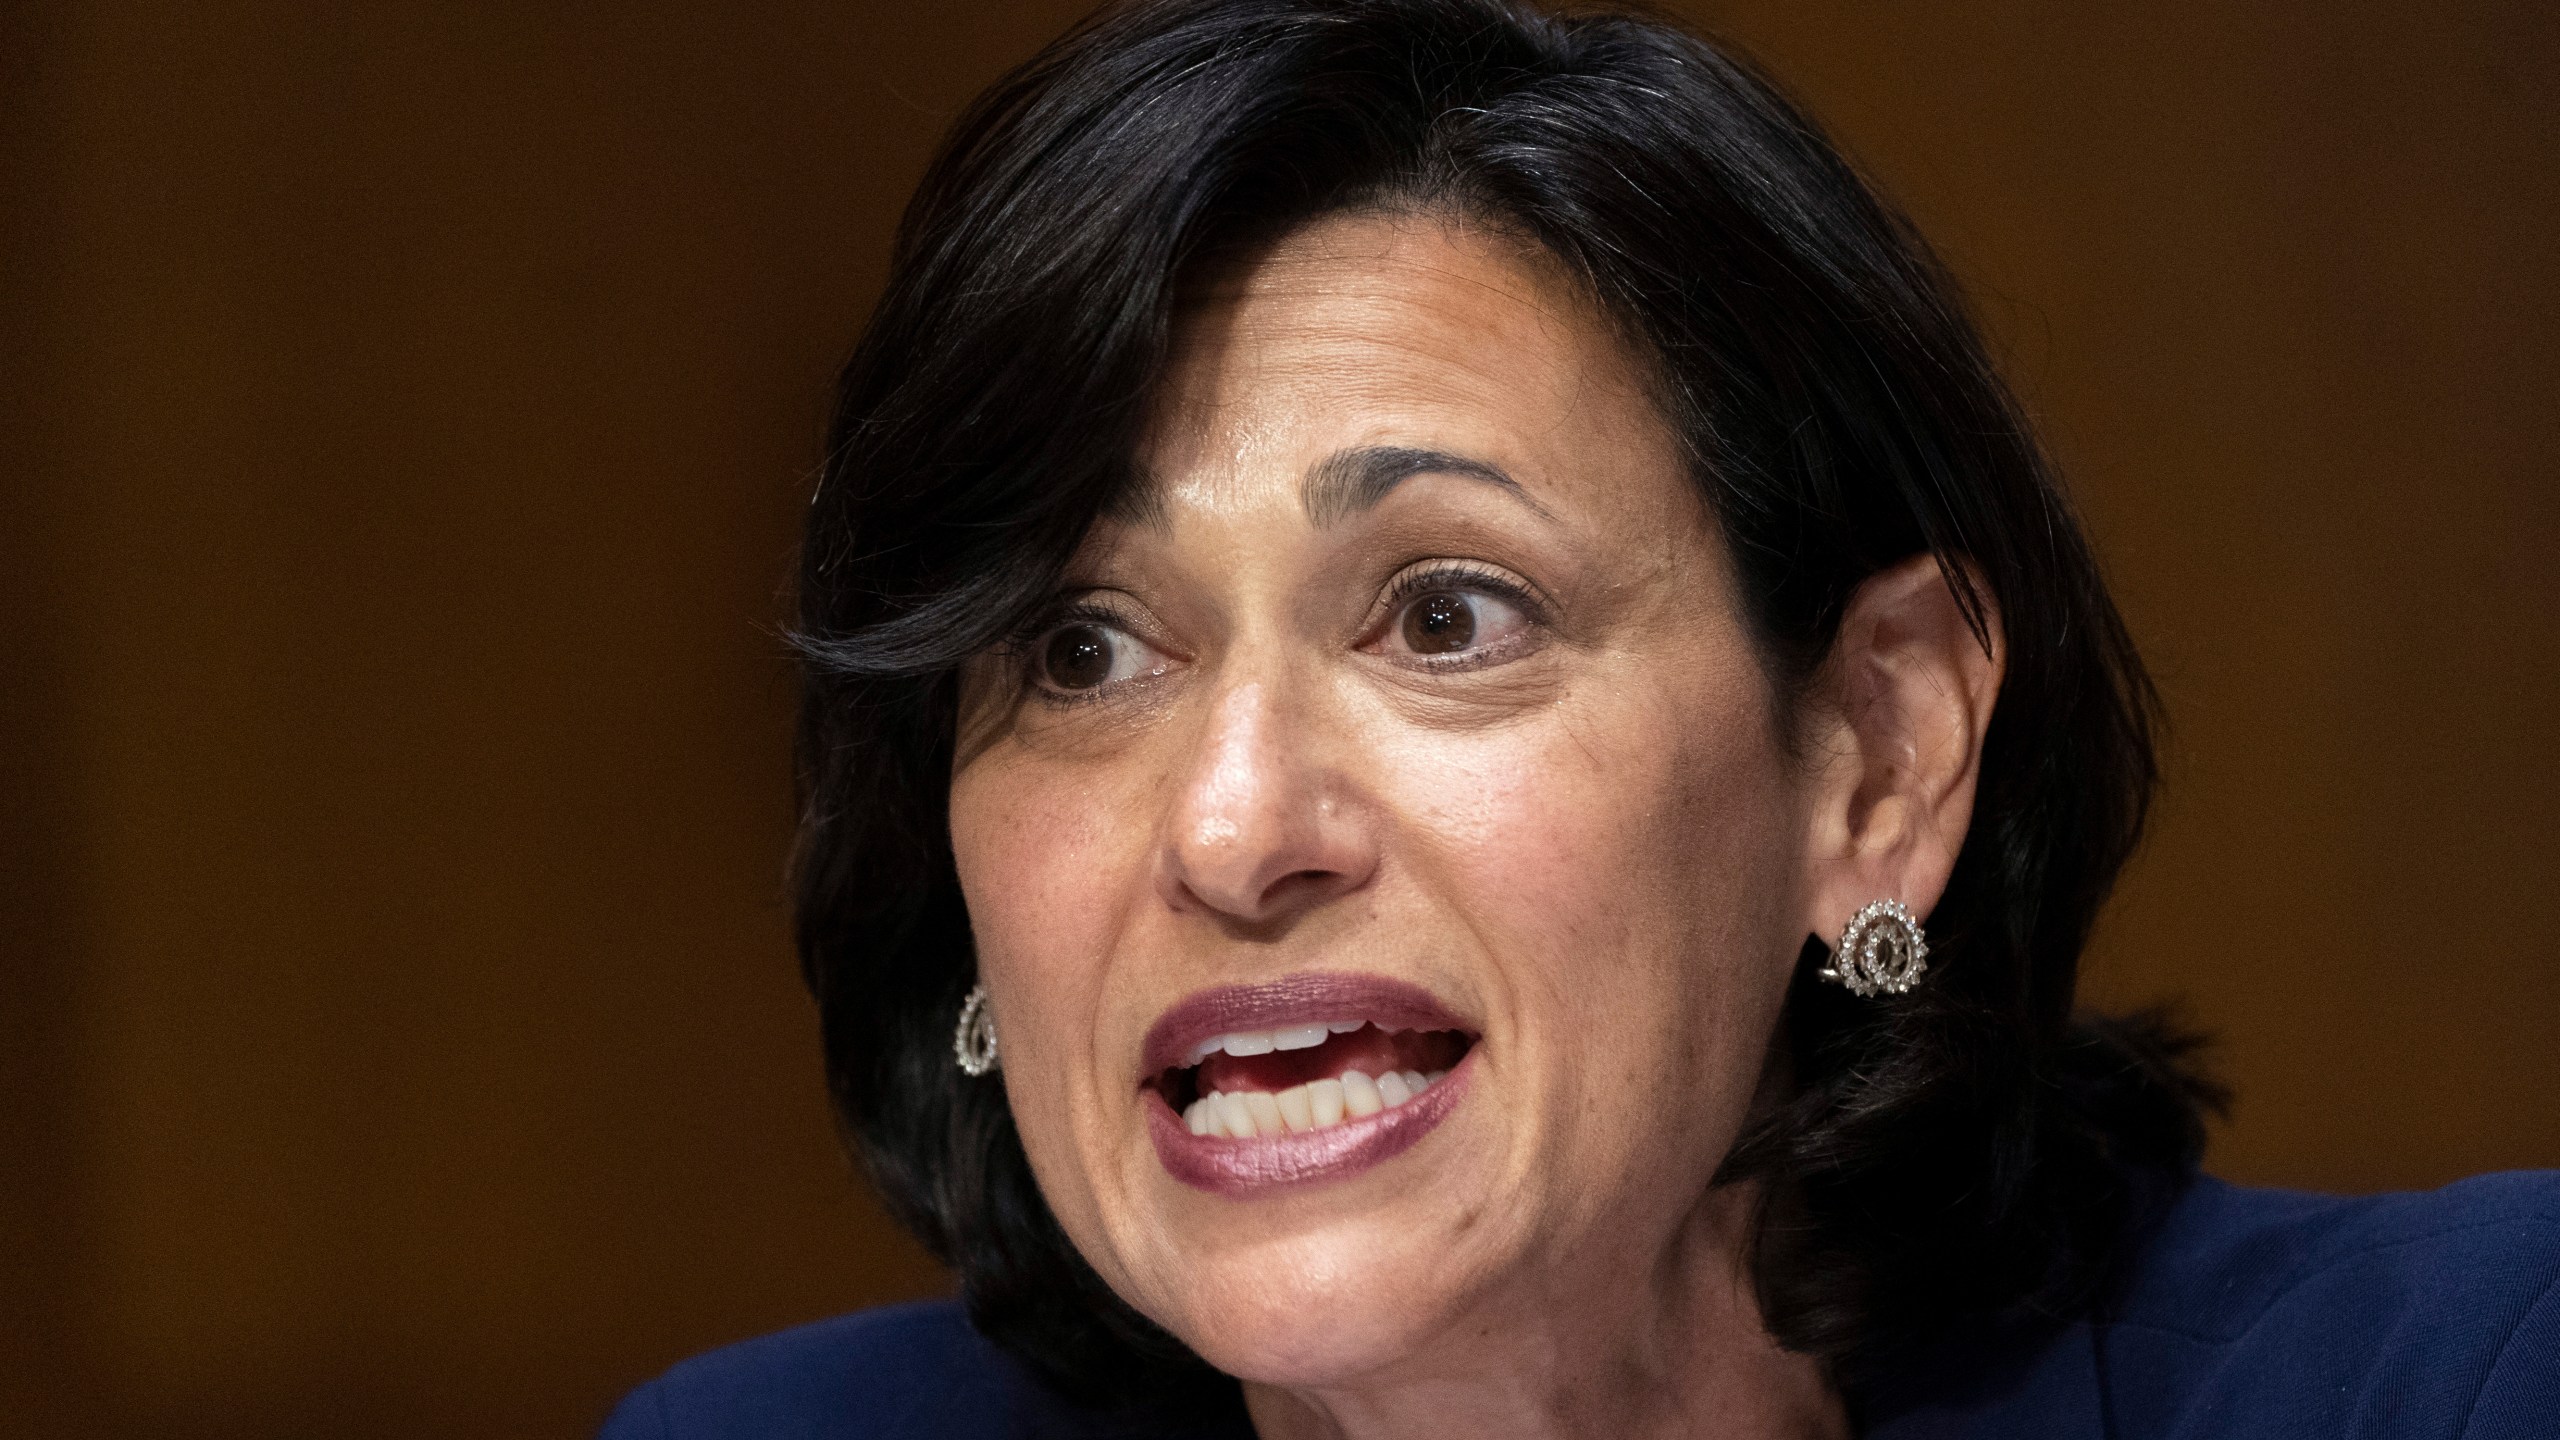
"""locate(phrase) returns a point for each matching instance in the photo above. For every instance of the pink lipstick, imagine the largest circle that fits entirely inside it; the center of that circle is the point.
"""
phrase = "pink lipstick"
(1312, 1077)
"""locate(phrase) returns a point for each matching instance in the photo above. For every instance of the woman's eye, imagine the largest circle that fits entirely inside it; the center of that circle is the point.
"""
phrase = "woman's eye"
(1450, 622)
(1088, 655)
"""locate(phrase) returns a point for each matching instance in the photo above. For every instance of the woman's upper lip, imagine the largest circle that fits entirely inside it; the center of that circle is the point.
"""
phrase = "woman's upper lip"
(1302, 999)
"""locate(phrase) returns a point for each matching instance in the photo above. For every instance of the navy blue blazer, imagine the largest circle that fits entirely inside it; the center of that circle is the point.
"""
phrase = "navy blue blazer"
(2251, 1313)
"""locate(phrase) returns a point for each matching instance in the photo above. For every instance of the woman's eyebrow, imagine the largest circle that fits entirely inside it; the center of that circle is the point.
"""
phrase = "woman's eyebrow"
(1349, 481)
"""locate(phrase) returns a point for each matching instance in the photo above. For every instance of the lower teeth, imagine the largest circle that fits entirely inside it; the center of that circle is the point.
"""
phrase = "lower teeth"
(1252, 1114)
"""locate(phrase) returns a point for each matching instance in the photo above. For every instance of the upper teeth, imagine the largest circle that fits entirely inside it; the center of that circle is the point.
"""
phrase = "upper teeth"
(1263, 1042)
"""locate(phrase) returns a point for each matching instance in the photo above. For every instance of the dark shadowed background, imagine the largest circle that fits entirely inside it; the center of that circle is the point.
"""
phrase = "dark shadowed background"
(407, 411)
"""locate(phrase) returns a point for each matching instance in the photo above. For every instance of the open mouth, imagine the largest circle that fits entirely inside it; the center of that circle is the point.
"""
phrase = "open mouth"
(1312, 1077)
(1249, 1084)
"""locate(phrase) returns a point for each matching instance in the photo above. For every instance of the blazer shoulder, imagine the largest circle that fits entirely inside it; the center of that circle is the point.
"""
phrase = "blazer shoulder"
(907, 1370)
(2227, 1256)
(2425, 1313)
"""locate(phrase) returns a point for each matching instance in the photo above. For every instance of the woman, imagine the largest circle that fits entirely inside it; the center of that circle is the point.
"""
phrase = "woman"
(1457, 756)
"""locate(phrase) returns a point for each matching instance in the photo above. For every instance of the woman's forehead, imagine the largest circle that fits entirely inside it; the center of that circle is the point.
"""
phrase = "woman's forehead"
(1415, 301)
(1330, 361)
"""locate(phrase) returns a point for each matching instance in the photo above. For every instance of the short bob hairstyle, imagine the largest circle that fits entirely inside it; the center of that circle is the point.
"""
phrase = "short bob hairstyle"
(1967, 1151)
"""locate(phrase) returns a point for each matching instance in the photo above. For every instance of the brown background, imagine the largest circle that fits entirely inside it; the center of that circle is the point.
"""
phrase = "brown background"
(406, 413)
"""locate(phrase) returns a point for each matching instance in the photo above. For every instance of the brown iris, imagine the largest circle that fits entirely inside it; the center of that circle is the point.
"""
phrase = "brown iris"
(1077, 657)
(1438, 624)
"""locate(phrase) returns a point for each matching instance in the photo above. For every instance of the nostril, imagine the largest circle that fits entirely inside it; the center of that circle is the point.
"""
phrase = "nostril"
(1292, 895)
(1253, 900)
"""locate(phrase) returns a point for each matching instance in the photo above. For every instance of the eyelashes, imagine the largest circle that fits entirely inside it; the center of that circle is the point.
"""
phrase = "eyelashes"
(1464, 576)
(1434, 617)
(1080, 652)
(1457, 616)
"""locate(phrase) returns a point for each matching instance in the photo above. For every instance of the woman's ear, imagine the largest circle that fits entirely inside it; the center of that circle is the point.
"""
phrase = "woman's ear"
(1894, 731)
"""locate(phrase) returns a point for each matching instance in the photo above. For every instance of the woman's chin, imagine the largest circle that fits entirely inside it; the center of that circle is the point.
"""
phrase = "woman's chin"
(1315, 1308)
(1292, 1338)
(1317, 1279)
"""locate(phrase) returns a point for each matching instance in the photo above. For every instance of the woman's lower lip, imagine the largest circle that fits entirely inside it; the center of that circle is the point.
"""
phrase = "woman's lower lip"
(1238, 1168)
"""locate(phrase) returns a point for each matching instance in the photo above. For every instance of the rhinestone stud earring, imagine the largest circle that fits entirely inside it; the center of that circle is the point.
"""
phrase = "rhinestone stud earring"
(1881, 951)
(974, 1043)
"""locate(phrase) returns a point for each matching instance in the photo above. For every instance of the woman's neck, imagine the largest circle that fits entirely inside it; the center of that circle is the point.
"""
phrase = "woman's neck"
(1635, 1349)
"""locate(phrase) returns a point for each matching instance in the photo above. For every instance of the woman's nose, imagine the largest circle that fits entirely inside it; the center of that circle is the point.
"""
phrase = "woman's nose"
(1261, 831)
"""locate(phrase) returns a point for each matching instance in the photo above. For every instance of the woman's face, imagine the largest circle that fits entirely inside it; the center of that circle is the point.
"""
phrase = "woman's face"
(1408, 724)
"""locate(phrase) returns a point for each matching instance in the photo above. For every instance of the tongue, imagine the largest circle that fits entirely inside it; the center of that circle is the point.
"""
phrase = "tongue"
(1369, 1050)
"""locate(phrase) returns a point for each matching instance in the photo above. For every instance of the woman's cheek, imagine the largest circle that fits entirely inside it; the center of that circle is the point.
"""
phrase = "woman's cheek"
(1036, 850)
(1522, 835)
(1567, 809)
(1037, 856)
(1598, 857)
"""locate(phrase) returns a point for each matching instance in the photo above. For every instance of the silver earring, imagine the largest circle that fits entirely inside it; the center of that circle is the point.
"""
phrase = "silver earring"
(1881, 951)
(974, 1044)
